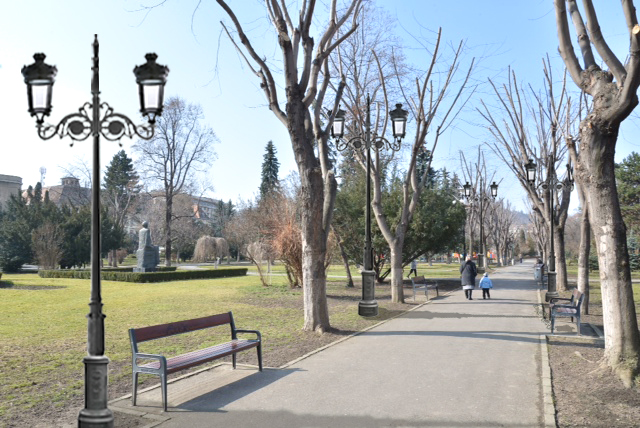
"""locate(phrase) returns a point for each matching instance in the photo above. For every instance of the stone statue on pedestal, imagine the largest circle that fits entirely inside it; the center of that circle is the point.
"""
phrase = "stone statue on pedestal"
(148, 255)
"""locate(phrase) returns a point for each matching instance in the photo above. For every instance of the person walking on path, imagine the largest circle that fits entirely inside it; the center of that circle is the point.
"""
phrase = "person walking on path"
(414, 268)
(468, 272)
(485, 285)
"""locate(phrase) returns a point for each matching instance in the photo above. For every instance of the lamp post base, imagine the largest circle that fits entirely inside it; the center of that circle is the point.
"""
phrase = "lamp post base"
(96, 413)
(368, 306)
(552, 291)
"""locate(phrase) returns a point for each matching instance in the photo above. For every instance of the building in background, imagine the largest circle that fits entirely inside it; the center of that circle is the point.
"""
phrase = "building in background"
(68, 193)
(9, 185)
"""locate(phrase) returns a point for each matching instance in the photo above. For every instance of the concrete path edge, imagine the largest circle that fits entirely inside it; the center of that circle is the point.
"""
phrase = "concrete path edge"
(548, 405)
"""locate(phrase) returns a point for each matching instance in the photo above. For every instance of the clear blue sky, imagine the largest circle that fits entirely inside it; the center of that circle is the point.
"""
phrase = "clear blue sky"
(205, 69)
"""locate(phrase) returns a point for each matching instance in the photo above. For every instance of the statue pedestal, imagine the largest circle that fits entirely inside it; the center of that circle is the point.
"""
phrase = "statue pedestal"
(148, 259)
(145, 269)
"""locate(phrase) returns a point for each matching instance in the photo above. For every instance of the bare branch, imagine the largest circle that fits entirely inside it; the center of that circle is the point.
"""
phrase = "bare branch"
(268, 84)
(583, 37)
(614, 64)
(566, 48)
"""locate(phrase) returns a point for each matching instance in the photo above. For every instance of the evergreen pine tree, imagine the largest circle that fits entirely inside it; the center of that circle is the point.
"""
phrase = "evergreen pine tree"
(120, 186)
(270, 167)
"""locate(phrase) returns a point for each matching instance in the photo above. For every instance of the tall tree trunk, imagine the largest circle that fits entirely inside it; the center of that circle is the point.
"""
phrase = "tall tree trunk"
(397, 287)
(561, 261)
(167, 228)
(314, 250)
(596, 175)
(583, 258)
(345, 259)
(314, 197)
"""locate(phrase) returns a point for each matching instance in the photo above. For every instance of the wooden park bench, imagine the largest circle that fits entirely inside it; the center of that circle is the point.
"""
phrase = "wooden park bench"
(421, 283)
(164, 366)
(570, 310)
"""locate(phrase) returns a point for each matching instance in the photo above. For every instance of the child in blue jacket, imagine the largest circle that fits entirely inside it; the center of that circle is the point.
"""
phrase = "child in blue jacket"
(485, 285)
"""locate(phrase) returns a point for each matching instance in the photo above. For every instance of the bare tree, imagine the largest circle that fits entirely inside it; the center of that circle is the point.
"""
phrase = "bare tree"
(180, 148)
(305, 92)
(539, 232)
(475, 173)
(614, 94)
(47, 245)
(434, 104)
(501, 220)
(238, 231)
(531, 127)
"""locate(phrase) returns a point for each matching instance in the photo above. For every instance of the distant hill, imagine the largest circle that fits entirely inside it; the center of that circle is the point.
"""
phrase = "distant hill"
(521, 218)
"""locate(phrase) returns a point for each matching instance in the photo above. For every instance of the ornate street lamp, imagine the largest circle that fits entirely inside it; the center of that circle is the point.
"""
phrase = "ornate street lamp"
(530, 168)
(467, 190)
(39, 78)
(494, 190)
(481, 198)
(368, 306)
(551, 184)
(95, 119)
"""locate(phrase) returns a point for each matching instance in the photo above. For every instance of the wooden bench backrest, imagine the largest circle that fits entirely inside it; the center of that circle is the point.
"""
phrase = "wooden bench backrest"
(418, 280)
(163, 330)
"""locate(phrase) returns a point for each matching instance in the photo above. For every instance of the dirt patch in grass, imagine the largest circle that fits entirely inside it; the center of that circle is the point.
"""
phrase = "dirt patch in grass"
(285, 343)
(587, 393)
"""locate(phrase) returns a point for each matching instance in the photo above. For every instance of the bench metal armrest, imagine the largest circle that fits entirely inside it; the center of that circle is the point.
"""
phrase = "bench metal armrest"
(565, 306)
(256, 332)
(161, 358)
(555, 299)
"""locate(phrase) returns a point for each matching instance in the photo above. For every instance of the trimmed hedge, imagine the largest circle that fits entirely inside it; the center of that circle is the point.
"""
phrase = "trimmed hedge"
(142, 277)
(130, 269)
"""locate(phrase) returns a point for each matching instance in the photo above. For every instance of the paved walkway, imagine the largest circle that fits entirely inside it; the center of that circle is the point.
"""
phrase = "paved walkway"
(448, 363)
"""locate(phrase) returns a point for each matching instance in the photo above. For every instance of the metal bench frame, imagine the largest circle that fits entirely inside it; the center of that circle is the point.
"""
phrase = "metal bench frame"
(571, 310)
(421, 283)
(164, 366)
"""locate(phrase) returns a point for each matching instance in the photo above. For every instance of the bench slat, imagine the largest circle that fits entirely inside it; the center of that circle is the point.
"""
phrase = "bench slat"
(163, 330)
(566, 310)
(194, 358)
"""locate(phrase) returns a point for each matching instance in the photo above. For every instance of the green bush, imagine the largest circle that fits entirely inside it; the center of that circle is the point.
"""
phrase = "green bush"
(142, 277)
(130, 269)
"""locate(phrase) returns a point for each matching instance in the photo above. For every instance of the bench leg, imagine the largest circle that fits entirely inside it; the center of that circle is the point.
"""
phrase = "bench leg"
(135, 388)
(233, 359)
(437, 293)
(578, 323)
(553, 320)
(163, 382)
(260, 356)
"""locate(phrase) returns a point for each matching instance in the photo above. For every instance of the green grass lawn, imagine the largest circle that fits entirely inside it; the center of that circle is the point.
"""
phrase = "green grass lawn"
(43, 328)
(438, 270)
(595, 293)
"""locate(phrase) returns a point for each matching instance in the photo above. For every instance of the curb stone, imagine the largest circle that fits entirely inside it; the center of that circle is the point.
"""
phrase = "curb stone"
(548, 406)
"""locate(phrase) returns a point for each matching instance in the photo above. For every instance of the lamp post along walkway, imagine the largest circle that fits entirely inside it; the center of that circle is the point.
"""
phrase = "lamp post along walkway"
(95, 119)
(549, 186)
(481, 198)
(368, 306)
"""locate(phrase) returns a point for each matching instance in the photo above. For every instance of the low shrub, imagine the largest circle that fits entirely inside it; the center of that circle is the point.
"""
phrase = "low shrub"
(143, 277)
(130, 269)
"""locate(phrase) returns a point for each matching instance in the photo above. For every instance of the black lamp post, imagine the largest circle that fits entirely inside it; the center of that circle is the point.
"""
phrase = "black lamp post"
(368, 306)
(95, 119)
(481, 198)
(550, 185)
